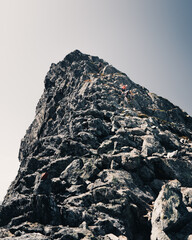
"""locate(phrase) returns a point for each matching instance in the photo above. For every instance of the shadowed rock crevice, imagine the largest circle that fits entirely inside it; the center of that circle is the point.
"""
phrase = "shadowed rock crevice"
(103, 159)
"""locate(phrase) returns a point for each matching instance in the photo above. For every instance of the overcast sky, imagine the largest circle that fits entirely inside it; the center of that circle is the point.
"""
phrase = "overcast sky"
(149, 40)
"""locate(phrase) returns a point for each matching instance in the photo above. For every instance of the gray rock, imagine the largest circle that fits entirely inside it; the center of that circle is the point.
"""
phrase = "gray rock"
(111, 237)
(109, 69)
(70, 174)
(156, 185)
(146, 174)
(106, 146)
(67, 233)
(169, 140)
(31, 236)
(172, 154)
(131, 160)
(169, 213)
(151, 145)
(187, 196)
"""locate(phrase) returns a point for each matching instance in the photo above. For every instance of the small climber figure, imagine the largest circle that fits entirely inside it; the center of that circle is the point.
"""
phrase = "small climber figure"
(44, 175)
(124, 93)
(123, 87)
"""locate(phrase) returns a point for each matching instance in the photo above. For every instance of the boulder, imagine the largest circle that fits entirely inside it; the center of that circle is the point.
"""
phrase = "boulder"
(151, 145)
(131, 160)
(170, 213)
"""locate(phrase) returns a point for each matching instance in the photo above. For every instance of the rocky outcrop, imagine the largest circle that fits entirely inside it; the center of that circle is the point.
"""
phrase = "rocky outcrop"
(103, 159)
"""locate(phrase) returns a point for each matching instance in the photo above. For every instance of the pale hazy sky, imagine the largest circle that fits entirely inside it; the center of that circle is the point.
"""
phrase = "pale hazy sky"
(149, 40)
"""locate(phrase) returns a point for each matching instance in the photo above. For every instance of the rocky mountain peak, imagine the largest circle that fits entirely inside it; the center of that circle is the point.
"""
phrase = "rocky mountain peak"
(103, 159)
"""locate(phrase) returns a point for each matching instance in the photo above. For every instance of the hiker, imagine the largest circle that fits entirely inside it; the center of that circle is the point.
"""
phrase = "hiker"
(124, 92)
(123, 87)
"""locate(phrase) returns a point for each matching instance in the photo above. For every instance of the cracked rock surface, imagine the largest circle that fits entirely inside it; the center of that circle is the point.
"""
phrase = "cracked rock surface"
(104, 159)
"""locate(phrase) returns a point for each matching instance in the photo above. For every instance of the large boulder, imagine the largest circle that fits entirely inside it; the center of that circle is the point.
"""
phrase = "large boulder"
(170, 214)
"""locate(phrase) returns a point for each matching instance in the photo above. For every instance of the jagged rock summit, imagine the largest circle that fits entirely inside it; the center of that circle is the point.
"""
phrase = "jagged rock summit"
(103, 159)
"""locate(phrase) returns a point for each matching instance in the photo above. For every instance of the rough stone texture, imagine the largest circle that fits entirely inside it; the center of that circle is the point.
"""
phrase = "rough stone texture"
(170, 213)
(95, 158)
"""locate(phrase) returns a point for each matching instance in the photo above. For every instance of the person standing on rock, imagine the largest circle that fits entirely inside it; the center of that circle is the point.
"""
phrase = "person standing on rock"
(125, 93)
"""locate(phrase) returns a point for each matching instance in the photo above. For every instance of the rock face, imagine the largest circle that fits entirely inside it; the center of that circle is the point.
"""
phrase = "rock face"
(103, 159)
